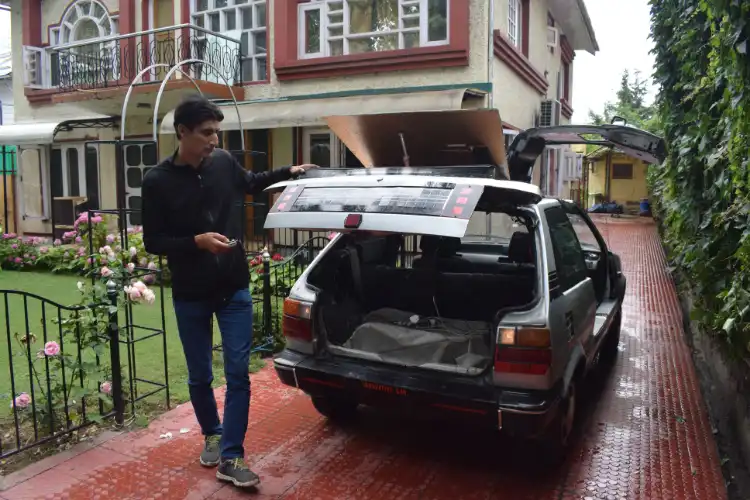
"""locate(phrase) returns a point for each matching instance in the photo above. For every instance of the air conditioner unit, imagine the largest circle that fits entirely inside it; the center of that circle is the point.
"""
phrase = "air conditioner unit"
(550, 113)
(553, 37)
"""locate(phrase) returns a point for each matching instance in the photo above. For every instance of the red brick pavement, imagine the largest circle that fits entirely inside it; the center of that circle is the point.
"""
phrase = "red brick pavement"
(645, 435)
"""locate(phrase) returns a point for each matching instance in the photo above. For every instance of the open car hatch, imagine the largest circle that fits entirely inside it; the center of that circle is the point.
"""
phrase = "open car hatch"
(529, 144)
(411, 204)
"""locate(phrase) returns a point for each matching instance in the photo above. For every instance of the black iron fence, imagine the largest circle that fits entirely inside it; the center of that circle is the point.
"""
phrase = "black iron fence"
(118, 60)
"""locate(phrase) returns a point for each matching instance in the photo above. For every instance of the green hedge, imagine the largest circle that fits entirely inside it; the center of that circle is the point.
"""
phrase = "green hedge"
(702, 192)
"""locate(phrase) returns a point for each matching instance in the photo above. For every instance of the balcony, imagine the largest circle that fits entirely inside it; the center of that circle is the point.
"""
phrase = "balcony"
(105, 67)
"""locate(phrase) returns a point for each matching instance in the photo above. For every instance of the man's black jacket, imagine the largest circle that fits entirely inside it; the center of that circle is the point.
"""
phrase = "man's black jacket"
(180, 202)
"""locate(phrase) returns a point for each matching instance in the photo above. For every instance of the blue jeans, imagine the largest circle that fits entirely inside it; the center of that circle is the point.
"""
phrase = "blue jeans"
(235, 317)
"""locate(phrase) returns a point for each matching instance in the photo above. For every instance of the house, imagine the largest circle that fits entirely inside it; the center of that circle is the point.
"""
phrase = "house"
(615, 176)
(288, 63)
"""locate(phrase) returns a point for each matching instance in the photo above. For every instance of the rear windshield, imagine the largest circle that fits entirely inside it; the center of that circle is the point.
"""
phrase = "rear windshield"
(495, 227)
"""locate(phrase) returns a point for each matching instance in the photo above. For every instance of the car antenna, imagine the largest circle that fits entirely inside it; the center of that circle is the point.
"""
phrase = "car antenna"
(403, 147)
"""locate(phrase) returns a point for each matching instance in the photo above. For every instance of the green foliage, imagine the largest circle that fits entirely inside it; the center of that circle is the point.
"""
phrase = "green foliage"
(702, 192)
(629, 105)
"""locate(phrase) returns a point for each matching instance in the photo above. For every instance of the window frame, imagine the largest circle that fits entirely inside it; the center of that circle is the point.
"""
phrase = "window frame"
(515, 38)
(252, 55)
(567, 277)
(616, 177)
(324, 47)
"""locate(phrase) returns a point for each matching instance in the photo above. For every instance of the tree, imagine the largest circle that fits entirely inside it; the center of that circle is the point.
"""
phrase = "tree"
(630, 105)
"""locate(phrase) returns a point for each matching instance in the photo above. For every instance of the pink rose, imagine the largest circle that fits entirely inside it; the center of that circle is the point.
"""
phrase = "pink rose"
(132, 292)
(14, 246)
(57, 242)
(110, 238)
(152, 266)
(18, 260)
(79, 240)
(43, 249)
(133, 252)
(51, 348)
(21, 401)
(106, 272)
(131, 267)
(96, 219)
(149, 278)
(106, 387)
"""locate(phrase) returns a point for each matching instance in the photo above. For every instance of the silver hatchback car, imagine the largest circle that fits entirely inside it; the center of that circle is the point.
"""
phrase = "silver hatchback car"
(450, 289)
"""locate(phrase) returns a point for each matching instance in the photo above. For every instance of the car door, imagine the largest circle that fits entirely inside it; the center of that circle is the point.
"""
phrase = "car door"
(603, 268)
(572, 296)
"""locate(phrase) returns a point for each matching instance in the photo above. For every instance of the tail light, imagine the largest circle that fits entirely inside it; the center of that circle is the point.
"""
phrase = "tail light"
(296, 320)
(523, 350)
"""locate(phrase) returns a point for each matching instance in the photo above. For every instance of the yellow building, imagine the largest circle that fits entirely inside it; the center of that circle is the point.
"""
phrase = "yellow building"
(615, 176)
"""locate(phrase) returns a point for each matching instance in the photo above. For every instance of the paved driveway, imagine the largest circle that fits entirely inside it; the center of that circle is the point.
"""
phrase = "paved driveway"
(645, 434)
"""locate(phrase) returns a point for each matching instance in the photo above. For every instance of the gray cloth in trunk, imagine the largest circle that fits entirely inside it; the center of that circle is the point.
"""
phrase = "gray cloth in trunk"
(446, 341)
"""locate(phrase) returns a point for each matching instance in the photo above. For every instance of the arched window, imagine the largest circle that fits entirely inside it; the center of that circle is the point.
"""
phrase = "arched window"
(84, 20)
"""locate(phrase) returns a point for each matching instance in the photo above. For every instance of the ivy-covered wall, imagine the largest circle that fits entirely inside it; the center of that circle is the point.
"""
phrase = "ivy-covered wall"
(702, 192)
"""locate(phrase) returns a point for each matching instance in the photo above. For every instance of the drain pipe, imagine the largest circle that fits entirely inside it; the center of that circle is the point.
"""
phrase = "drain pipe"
(490, 75)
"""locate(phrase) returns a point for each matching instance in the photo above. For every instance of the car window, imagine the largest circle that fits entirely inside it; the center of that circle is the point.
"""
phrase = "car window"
(584, 233)
(569, 259)
(497, 226)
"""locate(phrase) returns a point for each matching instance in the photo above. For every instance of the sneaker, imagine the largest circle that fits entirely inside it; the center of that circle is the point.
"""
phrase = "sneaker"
(210, 456)
(237, 472)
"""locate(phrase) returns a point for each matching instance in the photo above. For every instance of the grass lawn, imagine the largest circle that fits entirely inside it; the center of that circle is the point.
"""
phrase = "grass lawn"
(149, 354)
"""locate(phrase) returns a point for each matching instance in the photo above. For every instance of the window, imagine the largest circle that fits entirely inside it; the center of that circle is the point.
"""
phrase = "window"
(322, 148)
(139, 159)
(566, 81)
(341, 27)
(622, 171)
(242, 19)
(515, 22)
(569, 259)
(84, 20)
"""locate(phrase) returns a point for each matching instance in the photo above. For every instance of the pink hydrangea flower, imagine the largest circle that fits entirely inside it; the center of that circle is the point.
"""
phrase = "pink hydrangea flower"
(14, 246)
(21, 401)
(106, 272)
(106, 387)
(51, 348)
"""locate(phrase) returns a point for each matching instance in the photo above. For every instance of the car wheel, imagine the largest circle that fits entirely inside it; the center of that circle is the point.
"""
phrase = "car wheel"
(557, 439)
(336, 408)
(612, 340)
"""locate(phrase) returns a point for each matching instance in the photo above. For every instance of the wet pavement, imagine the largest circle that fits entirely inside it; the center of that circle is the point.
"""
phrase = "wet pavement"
(644, 433)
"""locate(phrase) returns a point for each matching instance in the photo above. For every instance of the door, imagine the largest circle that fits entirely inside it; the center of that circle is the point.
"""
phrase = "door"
(138, 159)
(572, 296)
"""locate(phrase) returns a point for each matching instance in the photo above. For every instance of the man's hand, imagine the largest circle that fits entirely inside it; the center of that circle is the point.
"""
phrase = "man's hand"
(213, 242)
(301, 169)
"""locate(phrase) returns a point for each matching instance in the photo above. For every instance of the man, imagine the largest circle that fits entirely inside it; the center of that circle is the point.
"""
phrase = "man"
(192, 213)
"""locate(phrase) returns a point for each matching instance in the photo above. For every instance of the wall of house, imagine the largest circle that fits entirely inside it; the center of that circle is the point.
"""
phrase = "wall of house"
(475, 72)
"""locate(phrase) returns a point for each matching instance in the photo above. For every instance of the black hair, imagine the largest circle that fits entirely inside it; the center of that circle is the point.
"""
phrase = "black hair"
(194, 110)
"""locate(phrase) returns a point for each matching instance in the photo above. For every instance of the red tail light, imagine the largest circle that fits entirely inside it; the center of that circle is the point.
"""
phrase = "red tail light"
(523, 351)
(296, 320)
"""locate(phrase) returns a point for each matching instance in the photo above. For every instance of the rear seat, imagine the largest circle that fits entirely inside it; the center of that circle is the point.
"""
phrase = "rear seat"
(471, 296)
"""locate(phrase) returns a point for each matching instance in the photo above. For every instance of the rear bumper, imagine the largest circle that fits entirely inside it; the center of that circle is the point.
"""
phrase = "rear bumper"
(521, 413)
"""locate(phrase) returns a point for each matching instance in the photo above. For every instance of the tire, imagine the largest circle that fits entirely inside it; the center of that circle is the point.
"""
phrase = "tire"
(336, 409)
(608, 353)
(556, 442)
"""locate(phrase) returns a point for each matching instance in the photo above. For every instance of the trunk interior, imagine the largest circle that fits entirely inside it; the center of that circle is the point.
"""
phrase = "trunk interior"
(431, 303)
